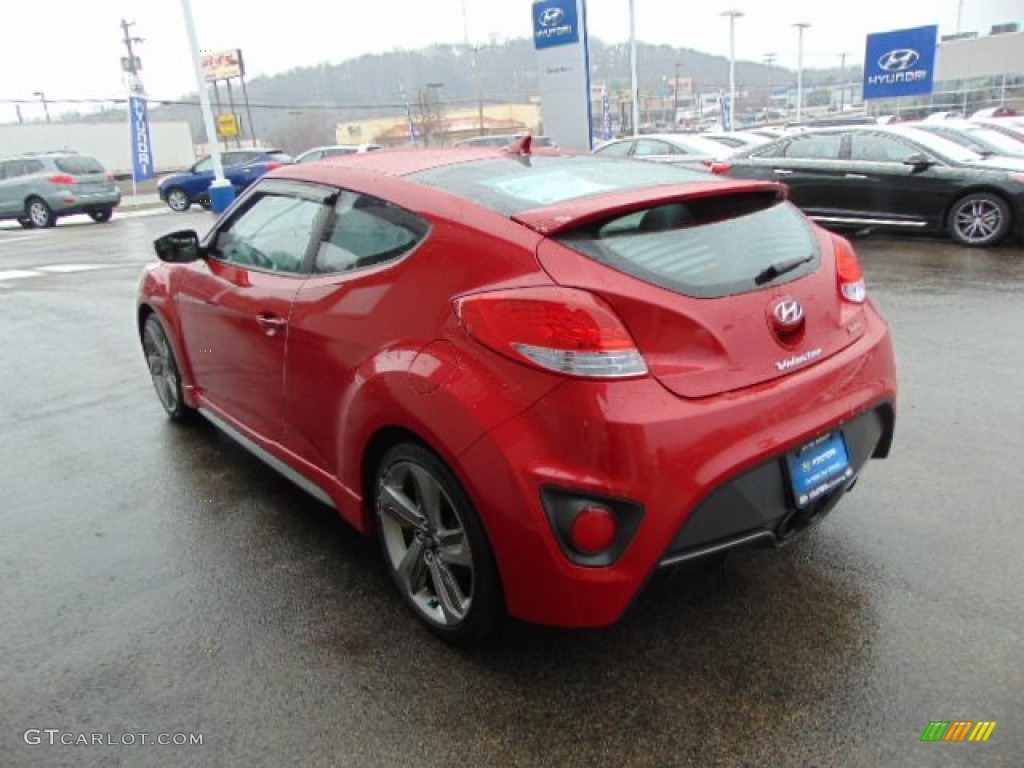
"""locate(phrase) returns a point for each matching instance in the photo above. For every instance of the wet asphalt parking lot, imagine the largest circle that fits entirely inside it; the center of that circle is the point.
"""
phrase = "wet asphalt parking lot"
(156, 579)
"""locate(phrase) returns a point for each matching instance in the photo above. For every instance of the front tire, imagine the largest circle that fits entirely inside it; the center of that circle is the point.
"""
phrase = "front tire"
(435, 547)
(100, 215)
(163, 369)
(39, 213)
(979, 219)
(177, 200)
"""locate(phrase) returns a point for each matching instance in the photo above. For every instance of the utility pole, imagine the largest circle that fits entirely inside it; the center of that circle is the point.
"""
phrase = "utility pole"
(132, 64)
(675, 100)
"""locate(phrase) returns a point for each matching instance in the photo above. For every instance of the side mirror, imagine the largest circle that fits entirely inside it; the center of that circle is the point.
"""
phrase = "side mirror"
(918, 162)
(178, 247)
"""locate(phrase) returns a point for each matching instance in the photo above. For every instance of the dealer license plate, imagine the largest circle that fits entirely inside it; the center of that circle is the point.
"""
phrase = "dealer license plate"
(818, 467)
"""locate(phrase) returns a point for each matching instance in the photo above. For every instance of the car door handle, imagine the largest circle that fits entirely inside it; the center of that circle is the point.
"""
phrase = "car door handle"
(271, 324)
(782, 172)
(854, 176)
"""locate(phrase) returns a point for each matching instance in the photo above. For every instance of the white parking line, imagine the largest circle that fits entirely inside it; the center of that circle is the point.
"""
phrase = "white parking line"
(4, 240)
(70, 267)
(14, 274)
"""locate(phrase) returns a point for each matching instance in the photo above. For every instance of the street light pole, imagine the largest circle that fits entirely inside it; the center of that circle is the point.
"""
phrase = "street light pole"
(634, 86)
(221, 191)
(46, 107)
(769, 59)
(800, 27)
(733, 15)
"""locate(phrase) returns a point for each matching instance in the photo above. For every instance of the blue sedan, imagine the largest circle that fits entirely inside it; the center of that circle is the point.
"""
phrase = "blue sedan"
(241, 167)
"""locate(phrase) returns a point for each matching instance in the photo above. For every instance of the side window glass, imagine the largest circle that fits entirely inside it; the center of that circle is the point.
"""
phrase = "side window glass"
(364, 231)
(870, 148)
(273, 234)
(818, 147)
(32, 166)
(648, 147)
(205, 165)
(621, 149)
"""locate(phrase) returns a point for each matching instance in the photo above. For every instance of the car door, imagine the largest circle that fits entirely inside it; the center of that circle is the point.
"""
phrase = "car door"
(338, 324)
(12, 188)
(811, 167)
(884, 187)
(235, 305)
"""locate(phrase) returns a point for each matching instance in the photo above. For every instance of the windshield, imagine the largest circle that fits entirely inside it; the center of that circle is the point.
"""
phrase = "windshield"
(941, 146)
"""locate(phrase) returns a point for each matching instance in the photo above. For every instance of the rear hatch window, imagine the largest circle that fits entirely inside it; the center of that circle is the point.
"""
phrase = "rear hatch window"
(79, 165)
(705, 247)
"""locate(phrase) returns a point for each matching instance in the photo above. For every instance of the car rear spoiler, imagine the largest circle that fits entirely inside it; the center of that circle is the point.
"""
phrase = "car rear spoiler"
(562, 217)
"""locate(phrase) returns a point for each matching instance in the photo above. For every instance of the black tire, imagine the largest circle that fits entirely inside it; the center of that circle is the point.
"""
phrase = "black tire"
(25, 222)
(39, 213)
(435, 547)
(100, 215)
(177, 200)
(206, 205)
(163, 369)
(979, 219)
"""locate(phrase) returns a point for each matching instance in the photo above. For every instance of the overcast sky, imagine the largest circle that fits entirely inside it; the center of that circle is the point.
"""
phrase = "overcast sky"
(71, 49)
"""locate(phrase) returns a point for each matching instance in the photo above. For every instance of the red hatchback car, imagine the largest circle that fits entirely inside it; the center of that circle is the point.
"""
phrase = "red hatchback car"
(539, 378)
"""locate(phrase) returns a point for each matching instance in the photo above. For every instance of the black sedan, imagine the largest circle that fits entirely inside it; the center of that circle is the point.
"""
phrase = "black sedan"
(892, 177)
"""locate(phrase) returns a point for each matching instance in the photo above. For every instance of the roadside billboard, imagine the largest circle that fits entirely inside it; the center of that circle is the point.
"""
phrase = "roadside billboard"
(223, 65)
(900, 62)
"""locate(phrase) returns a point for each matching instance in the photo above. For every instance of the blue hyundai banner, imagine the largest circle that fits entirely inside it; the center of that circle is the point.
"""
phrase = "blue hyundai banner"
(900, 63)
(555, 23)
(142, 152)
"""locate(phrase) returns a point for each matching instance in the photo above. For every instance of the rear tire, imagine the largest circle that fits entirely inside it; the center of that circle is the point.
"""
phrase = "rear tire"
(435, 547)
(100, 215)
(39, 213)
(979, 219)
(163, 369)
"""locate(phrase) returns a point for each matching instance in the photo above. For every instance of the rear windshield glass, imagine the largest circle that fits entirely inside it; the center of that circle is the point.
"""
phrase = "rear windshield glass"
(705, 247)
(511, 185)
(79, 164)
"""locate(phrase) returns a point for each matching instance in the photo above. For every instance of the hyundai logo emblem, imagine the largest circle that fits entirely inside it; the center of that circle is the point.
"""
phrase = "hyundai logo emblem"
(898, 60)
(788, 313)
(551, 17)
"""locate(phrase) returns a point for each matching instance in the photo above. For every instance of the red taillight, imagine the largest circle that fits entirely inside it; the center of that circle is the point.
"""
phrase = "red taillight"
(558, 329)
(110, 176)
(851, 277)
(593, 530)
(272, 166)
(717, 166)
(62, 178)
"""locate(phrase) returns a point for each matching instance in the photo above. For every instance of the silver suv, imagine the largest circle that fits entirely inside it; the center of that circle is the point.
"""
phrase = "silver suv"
(37, 188)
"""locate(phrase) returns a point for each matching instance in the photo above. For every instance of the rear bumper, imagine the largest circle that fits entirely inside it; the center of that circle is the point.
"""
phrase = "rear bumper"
(707, 473)
(66, 203)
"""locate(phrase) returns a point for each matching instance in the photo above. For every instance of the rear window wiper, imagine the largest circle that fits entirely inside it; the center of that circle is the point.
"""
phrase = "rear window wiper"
(779, 268)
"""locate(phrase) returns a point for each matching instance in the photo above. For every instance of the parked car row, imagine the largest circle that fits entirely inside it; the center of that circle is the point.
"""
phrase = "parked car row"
(962, 178)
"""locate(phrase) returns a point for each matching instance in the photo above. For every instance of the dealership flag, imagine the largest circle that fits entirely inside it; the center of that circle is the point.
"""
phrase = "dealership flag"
(142, 152)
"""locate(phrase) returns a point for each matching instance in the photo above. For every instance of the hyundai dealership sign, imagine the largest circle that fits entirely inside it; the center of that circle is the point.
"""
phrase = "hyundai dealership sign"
(560, 37)
(900, 63)
(555, 22)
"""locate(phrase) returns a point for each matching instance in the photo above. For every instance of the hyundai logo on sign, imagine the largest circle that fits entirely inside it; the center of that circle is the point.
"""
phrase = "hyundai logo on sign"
(554, 23)
(551, 17)
(899, 60)
(900, 63)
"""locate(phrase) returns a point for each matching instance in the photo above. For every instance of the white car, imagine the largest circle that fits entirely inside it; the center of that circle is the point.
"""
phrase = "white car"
(319, 153)
(689, 149)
